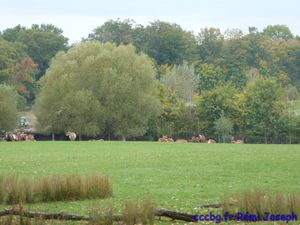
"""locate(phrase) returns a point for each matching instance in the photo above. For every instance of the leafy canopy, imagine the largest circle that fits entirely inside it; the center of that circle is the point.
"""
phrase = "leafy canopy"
(96, 88)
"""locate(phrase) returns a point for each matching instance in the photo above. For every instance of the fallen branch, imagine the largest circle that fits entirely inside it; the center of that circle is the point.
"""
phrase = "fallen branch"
(174, 215)
(217, 205)
(46, 216)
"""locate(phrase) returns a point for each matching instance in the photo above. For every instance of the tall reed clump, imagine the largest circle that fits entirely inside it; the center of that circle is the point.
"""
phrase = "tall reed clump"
(260, 202)
(138, 213)
(134, 212)
(97, 187)
(14, 189)
(102, 216)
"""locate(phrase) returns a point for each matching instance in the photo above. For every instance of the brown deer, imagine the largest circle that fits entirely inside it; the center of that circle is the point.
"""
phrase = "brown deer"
(71, 135)
(211, 141)
(29, 137)
(165, 139)
(202, 138)
(239, 141)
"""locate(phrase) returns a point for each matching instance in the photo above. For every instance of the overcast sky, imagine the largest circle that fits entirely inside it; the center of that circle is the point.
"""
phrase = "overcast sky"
(78, 18)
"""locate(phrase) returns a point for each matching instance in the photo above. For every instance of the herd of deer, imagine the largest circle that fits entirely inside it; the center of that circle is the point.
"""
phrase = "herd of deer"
(18, 136)
(21, 136)
(199, 139)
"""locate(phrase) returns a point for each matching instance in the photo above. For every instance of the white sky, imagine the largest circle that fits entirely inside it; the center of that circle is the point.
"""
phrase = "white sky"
(78, 18)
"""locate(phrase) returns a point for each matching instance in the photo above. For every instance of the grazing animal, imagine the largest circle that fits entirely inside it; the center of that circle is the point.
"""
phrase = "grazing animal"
(202, 138)
(71, 135)
(237, 142)
(211, 141)
(29, 137)
(170, 139)
(21, 136)
(11, 137)
(165, 139)
(193, 140)
(181, 140)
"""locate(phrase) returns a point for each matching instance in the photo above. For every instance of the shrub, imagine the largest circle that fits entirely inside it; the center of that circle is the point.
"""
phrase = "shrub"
(260, 202)
(138, 213)
(102, 216)
(53, 188)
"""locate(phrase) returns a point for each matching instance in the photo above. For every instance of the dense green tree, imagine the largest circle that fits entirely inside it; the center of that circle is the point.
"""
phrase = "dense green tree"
(210, 44)
(169, 43)
(224, 128)
(209, 77)
(116, 31)
(23, 78)
(117, 80)
(255, 51)
(235, 62)
(42, 42)
(212, 104)
(85, 113)
(10, 54)
(165, 124)
(278, 31)
(8, 108)
(18, 70)
(13, 34)
(265, 104)
(177, 118)
(233, 34)
(187, 123)
(287, 59)
(166, 43)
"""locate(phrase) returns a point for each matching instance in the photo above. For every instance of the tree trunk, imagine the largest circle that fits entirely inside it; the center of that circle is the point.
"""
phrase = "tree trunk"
(174, 215)
(80, 137)
(53, 137)
(266, 139)
(123, 138)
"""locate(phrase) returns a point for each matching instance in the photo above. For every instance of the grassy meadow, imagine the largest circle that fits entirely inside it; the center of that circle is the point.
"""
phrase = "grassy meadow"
(177, 176)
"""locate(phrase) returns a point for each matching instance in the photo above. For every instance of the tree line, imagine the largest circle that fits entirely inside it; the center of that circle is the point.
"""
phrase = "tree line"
(132, 81)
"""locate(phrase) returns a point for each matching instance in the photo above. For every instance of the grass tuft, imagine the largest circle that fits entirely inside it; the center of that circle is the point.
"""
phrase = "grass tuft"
(138, 213)
(260, 202)
(53, 188)
(102, 216)
(254, 202)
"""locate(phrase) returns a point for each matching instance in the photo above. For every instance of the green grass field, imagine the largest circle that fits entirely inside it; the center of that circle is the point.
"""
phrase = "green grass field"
(177, 176)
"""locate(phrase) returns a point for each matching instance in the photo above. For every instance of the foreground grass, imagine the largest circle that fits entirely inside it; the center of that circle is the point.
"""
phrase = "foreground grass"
(178, 176)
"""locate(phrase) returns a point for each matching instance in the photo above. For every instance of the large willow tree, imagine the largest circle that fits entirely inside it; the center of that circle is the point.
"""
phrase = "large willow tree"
(98, 87)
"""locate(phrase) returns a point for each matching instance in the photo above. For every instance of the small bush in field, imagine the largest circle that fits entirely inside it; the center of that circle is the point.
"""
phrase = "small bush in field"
(254, 202)
(138, 213)
(294, 203)
(260, 202)
(12, 189)
(53, 188)
(27, 192)
(102, 216)
(97, 187)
